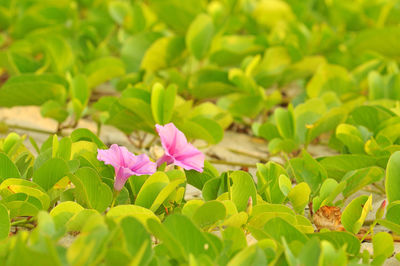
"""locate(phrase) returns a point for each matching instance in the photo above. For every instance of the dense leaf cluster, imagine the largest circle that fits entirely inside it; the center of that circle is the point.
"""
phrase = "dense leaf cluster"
(297, 73)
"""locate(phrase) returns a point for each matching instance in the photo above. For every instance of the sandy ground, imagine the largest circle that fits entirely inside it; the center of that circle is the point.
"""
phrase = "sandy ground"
(235, 147)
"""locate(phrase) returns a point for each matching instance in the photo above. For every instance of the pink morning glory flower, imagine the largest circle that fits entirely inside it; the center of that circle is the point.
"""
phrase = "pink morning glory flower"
(126, 164)
(177, 150)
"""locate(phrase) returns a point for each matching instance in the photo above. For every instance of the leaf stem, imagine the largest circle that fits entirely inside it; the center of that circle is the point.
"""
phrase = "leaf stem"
(36, 130)
(262, 159)
(150, 143)
(233, 163)
(115, 195)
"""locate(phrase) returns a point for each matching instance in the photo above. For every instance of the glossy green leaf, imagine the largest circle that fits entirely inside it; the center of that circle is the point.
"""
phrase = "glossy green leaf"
(354, 214)
(162, 103)
(28, 89)
(383, 244)
(242, 189)
(102, 70)
(50, 173)
(199, 35)
(4, 222)
(299, 196)
(8, 169)
(90, 191)
(209, 213)
(392, 182)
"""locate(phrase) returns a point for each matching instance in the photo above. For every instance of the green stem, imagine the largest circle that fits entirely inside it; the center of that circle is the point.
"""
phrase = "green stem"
(290, 165)
(262, 159)
(233, 163)
(150, 143)
(19, 222)
(381, 189)
(370, 230)
(115, 195)
(32, 129)
(229, 185)
(23, 223)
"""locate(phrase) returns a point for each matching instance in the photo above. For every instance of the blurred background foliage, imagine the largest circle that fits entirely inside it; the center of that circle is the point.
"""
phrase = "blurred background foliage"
(214, 63)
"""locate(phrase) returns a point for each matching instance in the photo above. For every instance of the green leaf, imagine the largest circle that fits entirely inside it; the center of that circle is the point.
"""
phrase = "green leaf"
(277, 228)
(8, 168)
(21, 208)
(299, 196)
(102, 70)
(390, 225)
(118, 11)
(245, 105)
(151, 188)
(135, 235)
(164, 194)
(87, 135)
(326, 123)
(209, 213)
(285, 122)
(351, 137)
(199, 35)
(393, 212)
(177, 14)
(330, 189)
(173, 246)
(29, 89)
(338, 165)
(134, 48)
(138, 212)
(235, 239)
(392, 183)
(90, 190)
(189, 236)
(357, 179)
(92, 240)
(198, 179)
(162, 103)
(164, 52)
(59, 52)
(381, 40)
(285, 184)
(383, 244)
(354, 214)
(307, 169)
(330, 78)
(268, 182)
(242, 189)
(4, 222)
(210, 82)
(79, 220)
(63, 212)
(55, 110)
(370, 116)
(202, 128)
(9, 188)
(50, 173)
(79, 90)
(252, 255)
(339, 240)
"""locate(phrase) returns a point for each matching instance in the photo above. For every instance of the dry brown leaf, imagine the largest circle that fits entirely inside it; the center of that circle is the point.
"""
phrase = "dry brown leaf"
(328, 217)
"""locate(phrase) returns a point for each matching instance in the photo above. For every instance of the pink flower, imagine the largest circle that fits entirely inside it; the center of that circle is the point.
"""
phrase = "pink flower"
(177, 150)
(126, 164)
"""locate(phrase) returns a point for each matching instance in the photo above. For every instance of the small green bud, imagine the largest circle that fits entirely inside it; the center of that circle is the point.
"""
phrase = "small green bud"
(381, 210)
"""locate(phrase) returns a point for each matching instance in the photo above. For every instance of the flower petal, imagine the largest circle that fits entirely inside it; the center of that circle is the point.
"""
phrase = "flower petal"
(143, 165)
(121, 176)
(126, 164)
(172, 139)
(190, 159)
(110, 156)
